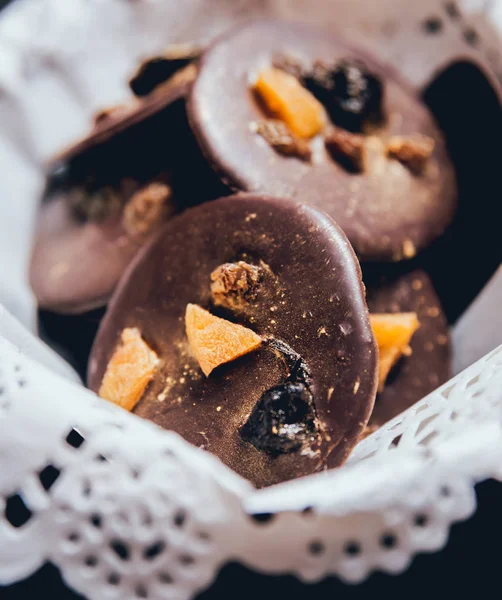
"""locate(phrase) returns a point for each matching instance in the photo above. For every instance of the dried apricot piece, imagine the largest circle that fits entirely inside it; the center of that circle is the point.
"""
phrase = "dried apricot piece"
(215, 341)
(393, 333)
(129, 371)
(286, 98)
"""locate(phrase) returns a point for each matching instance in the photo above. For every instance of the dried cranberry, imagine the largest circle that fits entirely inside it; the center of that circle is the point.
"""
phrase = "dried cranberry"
(282, 421)
(349, 92)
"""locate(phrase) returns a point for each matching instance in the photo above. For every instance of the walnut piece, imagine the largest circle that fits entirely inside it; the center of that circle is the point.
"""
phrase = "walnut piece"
(346, 148)
(146, 208)
(393, 333)
(413, 151)
(286, 99)
(129, 371)
(215, 341)
(233, 285)
(277, 135)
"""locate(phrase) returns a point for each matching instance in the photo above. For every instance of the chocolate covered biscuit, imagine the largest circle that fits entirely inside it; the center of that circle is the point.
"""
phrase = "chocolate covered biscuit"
(249, 315)
(107, 195)
(425, 363)
(355, 141)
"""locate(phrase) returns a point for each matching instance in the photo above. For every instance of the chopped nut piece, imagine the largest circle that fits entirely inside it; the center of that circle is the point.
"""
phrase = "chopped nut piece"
(277, 135)
(234, 284)
(412, 151)
(129, 371)
(158, 69)
(286, 98)
(346, 148)
(393, 333)
(216, 341)
(146, 208)
(95, 205)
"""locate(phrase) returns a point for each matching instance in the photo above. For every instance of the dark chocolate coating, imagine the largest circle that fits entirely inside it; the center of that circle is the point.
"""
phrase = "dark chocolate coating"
(383, 209)
(415, 376)
(314, 302)
(76, 262)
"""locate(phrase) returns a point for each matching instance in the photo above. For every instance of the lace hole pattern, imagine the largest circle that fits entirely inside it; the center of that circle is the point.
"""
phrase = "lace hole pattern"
(138, 529)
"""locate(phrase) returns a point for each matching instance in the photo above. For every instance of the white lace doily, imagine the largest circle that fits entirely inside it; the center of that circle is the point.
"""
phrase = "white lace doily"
(125, 509)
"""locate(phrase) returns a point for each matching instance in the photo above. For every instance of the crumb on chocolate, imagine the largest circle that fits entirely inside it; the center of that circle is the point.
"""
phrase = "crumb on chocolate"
(235, 284)
(146, 208)
(413, 151)
(409, 250)
(346, 148)
(277, 134)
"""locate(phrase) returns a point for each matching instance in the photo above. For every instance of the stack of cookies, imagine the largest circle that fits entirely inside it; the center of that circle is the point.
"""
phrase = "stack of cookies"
(248, 219)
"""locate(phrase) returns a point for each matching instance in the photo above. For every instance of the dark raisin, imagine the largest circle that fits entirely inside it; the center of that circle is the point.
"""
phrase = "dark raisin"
(350, 93)
(282, 421)
(298, 369)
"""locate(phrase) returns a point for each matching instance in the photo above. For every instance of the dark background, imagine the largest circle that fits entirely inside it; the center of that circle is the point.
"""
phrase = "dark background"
(469, 564)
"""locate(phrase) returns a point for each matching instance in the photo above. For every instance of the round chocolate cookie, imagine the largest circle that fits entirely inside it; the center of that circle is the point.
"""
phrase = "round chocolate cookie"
(107, 194)
(286, 274)
(428, 365)
(379, 166)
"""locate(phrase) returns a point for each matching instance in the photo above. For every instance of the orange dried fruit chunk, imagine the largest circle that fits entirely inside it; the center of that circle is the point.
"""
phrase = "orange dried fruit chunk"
(129, 371)
(215, 341)
(286, 98)
(393, 333)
